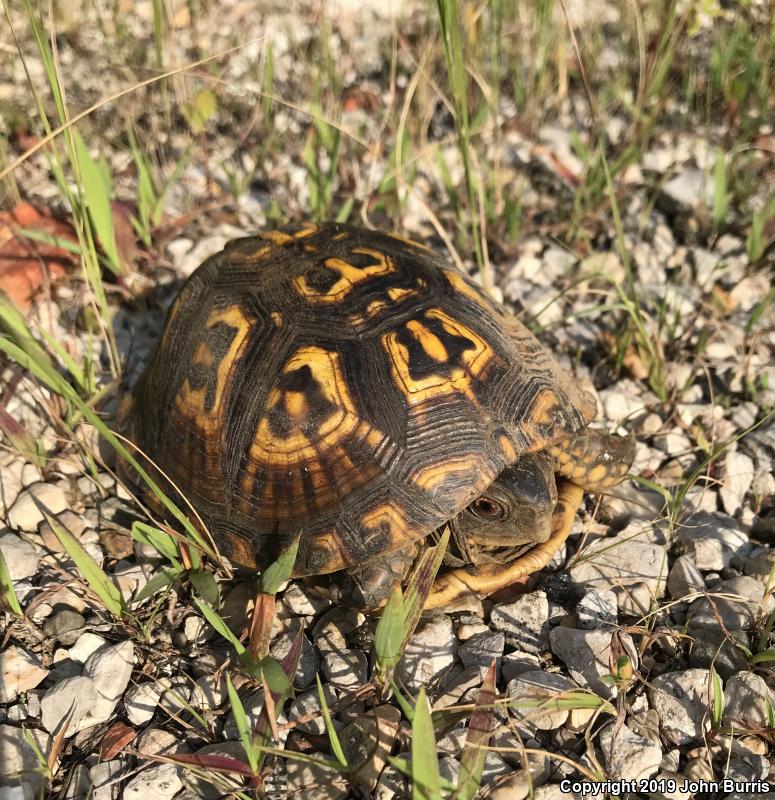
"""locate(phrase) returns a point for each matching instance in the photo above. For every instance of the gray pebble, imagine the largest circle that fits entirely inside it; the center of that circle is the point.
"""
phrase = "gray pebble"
(681, 700)
(19, 766)
(430, 652)
(684, 578)
(65, 626)
(27, 511)
(735, 615)
(106, 778)
(636, 570)
(515, 664)
(533, 696)
(480, 649)
(525, 622)
(160, 781)
(20, 671)
(73, 697)
(140, 702)
(711, 540)
(10, 483)
(586, 655)
(629, 756)
(597, 609)
(746, 700)
(333, 628)
(307, 704)
(309, 660)
(314, 781)
(346, 669)
(213, 786)
(21, 557)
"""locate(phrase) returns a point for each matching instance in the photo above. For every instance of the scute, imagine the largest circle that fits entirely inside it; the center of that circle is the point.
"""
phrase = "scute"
(345, 386)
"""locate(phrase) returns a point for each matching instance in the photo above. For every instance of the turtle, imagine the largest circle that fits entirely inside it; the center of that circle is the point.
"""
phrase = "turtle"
(351, 391)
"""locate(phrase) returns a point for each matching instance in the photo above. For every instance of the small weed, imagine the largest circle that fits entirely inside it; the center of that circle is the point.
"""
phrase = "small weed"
(321, 158)
(98, 580)
(477, 738)
(7, 592)
(426, 781)
(449, 17)
(151, 193)
(716, 699)
(758, 242)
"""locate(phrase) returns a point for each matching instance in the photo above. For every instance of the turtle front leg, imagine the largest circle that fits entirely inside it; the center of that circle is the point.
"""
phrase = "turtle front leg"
(368, 585)
(488, 578)
(594, 459)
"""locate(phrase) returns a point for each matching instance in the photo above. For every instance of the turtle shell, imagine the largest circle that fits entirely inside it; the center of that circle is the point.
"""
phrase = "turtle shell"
(344, 386)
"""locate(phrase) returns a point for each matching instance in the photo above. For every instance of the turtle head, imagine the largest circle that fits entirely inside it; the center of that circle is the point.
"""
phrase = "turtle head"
(512, 515)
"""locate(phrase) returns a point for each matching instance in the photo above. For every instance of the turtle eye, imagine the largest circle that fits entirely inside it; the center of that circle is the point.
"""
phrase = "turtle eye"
(488, 509)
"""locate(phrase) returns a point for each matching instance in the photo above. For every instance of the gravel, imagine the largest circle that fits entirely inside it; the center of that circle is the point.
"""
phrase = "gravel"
(683, 583)
(680, 699)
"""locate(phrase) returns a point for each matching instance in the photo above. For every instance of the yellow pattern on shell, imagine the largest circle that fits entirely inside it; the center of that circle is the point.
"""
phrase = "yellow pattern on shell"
(349, 276)
(190, 402)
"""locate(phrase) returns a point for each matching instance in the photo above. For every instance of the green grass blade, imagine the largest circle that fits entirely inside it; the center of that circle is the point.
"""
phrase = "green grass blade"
(205, 585)
(49, 239)
(157, 208)
(717, 699)
(97, 196)
(336, 745)
(159, 540)
(720, 195)
(404, 704)
(426, 780)
(91, 571)
(211, 615)
(477, 739)
(26, 352)
(420, 583)
(243, 728)
(164, 577)
(279, 571)
(7, 592)
(390, 633)
(764, 657)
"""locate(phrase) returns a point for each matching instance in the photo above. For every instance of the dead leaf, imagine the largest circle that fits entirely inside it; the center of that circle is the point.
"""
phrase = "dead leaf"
(119, 735)
(25, 264)
(126, 239)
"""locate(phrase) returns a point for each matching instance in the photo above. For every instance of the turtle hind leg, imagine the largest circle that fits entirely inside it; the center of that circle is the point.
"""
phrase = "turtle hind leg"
(594, 459)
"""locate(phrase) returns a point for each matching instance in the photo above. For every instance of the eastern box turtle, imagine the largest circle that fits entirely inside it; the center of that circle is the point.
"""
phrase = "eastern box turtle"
(352, 389)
